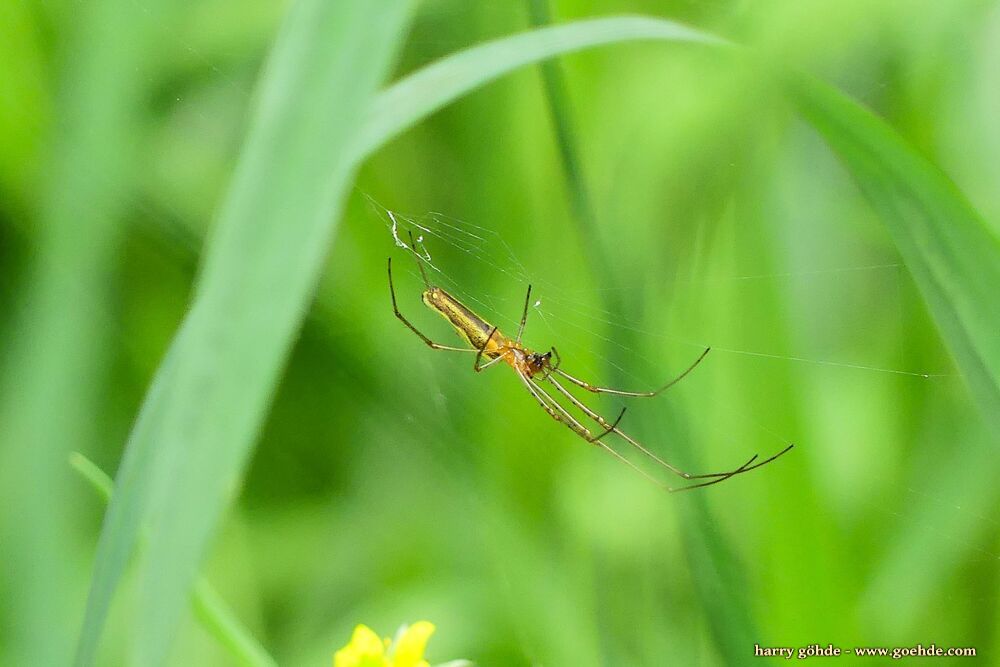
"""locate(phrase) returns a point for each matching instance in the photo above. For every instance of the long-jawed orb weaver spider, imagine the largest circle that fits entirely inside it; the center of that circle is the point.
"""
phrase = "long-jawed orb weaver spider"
(534, 368)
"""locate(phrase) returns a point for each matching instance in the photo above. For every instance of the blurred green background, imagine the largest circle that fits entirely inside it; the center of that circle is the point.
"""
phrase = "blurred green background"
(391, 483)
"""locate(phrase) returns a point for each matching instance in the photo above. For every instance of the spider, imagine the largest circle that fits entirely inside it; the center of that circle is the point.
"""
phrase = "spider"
(534, 368)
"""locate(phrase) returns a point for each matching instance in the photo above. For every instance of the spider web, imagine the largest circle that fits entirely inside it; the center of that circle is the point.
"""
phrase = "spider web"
(493, 254)
(575, 319)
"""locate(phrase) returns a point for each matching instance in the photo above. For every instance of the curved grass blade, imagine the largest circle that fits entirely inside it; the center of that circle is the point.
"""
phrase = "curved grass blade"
(197, 426)
(213, 612)
(558, 102)
(712, 558)
(952, 253)
(407, 101)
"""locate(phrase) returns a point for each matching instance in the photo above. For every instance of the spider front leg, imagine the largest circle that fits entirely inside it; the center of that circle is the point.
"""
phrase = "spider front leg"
(555, 353)
(550, 367)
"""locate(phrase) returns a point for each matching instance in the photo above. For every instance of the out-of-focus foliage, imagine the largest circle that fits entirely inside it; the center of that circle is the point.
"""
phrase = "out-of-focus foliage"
(390, 482)
(208, 400)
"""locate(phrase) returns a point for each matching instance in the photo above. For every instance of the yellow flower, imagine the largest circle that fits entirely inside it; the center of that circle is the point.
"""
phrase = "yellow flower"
(408, 651)
(366, 649)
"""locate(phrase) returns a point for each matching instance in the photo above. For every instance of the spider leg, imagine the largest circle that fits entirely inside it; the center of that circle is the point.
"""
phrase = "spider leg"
(524, 314)
(619, 392)
(755, 465)
(559, 413)
(399, 315)
(555, 353)
(550, 368)
(634, 467)
(418, 258)
(479, 354)
(743, 468)
(555, 410)
(563, 415)
(613, 428)
(489, 363)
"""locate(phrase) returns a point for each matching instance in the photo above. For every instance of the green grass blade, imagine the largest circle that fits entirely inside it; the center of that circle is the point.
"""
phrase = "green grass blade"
(223, 624)
(125, 514)
(952, 254)
(56, 352)
(718, 575)
(557, 98)
(197, 426)
(212, 611)
(407, 101)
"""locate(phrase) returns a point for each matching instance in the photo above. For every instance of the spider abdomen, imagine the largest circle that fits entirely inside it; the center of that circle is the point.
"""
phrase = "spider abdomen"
(471, 327)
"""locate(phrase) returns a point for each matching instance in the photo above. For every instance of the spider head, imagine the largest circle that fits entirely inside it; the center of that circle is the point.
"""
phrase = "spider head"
(538, 362)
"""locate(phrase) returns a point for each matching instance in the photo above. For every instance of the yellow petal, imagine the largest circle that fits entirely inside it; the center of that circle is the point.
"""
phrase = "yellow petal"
(409, 649)
(364, 650)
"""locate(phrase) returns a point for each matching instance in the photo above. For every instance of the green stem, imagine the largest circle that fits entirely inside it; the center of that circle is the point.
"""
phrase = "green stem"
(220, 620)
(562, 122)
(713, 562)
(209, 607)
